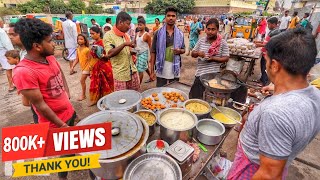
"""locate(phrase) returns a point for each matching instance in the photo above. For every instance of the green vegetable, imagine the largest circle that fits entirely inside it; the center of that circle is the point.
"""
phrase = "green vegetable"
(202, 147)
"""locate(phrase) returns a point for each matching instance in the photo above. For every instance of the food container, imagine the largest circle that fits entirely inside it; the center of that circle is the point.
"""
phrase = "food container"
(153, 147)
(182, 153)
(126, 146)
(171, 133)
(153, 166)
(152, 125)
(204, 103)
(125, 100)
(209, 132)
(227, 111)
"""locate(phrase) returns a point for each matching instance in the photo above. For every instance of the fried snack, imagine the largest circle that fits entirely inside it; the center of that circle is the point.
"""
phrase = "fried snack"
(154, 95)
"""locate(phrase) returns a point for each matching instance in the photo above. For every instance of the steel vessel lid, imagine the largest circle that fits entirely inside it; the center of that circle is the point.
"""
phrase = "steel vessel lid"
(121, 100)
(180, 150)
(131, 130)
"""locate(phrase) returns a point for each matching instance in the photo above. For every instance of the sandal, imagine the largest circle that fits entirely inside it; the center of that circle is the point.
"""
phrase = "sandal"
(149, 81)
(73, 72)
(11, 90)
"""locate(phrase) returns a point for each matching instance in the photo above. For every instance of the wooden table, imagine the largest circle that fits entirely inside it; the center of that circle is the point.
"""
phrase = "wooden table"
(251, 59)
(198, 167)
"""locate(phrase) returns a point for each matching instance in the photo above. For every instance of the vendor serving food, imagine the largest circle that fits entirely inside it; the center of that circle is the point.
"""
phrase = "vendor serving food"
(211, 51)
(285, 123)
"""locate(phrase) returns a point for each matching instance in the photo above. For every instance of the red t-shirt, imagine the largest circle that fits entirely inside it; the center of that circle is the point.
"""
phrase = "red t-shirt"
(266, 40)
(48, 78)
(262, 27)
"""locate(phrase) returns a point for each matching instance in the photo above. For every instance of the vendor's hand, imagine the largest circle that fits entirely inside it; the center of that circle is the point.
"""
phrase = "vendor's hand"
(201, 54)
(266, 90)
(177, 51)
(64, 125)
(130, 44)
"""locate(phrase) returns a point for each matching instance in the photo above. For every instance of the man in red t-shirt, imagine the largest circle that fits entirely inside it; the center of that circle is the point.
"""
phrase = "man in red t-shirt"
(272, 25)
(39, 77)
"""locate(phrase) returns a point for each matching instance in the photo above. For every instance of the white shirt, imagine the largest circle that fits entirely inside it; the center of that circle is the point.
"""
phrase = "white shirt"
(5, 42)
(284, 22)
(70, 33)
(23, 54)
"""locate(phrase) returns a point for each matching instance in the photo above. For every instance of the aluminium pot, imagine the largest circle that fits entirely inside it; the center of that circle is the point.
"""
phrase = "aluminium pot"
(170, 134)
(152, 127)
(209, 132)
(199, 115)
(136, 132)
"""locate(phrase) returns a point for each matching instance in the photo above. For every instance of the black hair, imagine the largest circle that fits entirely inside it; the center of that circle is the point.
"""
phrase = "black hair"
(86, 42)
(68, 14)
(96, 29)
(307, 14)
(230, 18)
(12, 25)
(296, 54)
(123, 16)
(213, 21)
(32, 31)
(171, 9)
(108, 19)
(139, 17)
(93, 20)
(142, 21)
(295, 13)
(273, 20)
(157, 19)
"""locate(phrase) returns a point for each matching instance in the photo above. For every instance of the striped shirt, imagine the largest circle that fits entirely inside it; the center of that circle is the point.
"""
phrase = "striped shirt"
(205, 67)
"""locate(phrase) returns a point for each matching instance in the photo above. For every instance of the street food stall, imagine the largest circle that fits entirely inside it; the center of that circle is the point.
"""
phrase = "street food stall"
(162, 134)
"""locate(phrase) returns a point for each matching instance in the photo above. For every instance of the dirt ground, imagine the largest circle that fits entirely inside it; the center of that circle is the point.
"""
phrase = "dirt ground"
(14, 114)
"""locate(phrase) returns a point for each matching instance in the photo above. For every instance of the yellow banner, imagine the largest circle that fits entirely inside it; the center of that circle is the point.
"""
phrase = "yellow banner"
(56, 165)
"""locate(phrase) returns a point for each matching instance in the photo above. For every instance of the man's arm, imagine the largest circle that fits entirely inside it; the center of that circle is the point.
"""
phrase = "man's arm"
(269, 169)
(219, 59)
(36, 98)
(115, 51)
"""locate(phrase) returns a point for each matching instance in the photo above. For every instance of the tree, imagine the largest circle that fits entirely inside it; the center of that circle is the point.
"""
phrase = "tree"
(76, 6)
(58, 7)
(34, 6)
(94, 7)
(7, 11)
(156, 7)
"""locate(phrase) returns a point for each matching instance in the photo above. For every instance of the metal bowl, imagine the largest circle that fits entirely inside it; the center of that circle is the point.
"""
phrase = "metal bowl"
(228, 111)
(154, 166)
(202, 115)
(171, 135)
(152, 128)
(205, 131)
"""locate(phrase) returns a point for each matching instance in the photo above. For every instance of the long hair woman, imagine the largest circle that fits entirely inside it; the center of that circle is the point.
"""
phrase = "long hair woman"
(101, 78)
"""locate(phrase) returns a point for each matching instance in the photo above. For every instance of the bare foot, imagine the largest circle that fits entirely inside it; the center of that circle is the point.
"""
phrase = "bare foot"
(92, 104)
(73, 72)
(81, 98)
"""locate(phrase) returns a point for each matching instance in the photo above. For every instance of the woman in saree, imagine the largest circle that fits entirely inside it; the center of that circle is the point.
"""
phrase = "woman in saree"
(101, 78)
(194, 34)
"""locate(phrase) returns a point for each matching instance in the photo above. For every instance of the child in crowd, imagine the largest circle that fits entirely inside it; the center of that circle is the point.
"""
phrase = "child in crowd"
(13, 57)
(83, 56)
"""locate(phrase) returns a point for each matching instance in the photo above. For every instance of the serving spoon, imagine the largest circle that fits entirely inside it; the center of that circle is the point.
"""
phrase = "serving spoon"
(214, 106)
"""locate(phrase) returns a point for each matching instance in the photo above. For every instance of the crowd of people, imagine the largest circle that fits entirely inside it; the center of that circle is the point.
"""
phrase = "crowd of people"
(120, 54)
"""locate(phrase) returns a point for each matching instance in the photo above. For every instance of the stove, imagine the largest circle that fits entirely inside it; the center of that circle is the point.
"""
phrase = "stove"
(220, 99)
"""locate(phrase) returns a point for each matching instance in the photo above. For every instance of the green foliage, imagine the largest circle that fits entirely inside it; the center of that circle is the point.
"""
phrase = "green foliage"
(156, 6)
(34, 6)
(94, 7)
(7, 11)
(76, 6)
(57, 7)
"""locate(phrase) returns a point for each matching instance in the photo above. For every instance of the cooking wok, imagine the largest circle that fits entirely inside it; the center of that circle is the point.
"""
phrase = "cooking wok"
(205, 78)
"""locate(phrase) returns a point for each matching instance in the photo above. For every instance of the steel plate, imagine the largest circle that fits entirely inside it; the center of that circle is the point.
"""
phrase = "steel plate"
(162, 100)
(131, 130)
(155, 166)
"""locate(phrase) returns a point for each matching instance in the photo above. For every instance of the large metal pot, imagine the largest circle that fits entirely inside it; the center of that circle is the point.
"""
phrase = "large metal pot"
(209, 132)
(170, 134)
(125, 147)
(125, 100)
(229, 112)
(199, 115)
